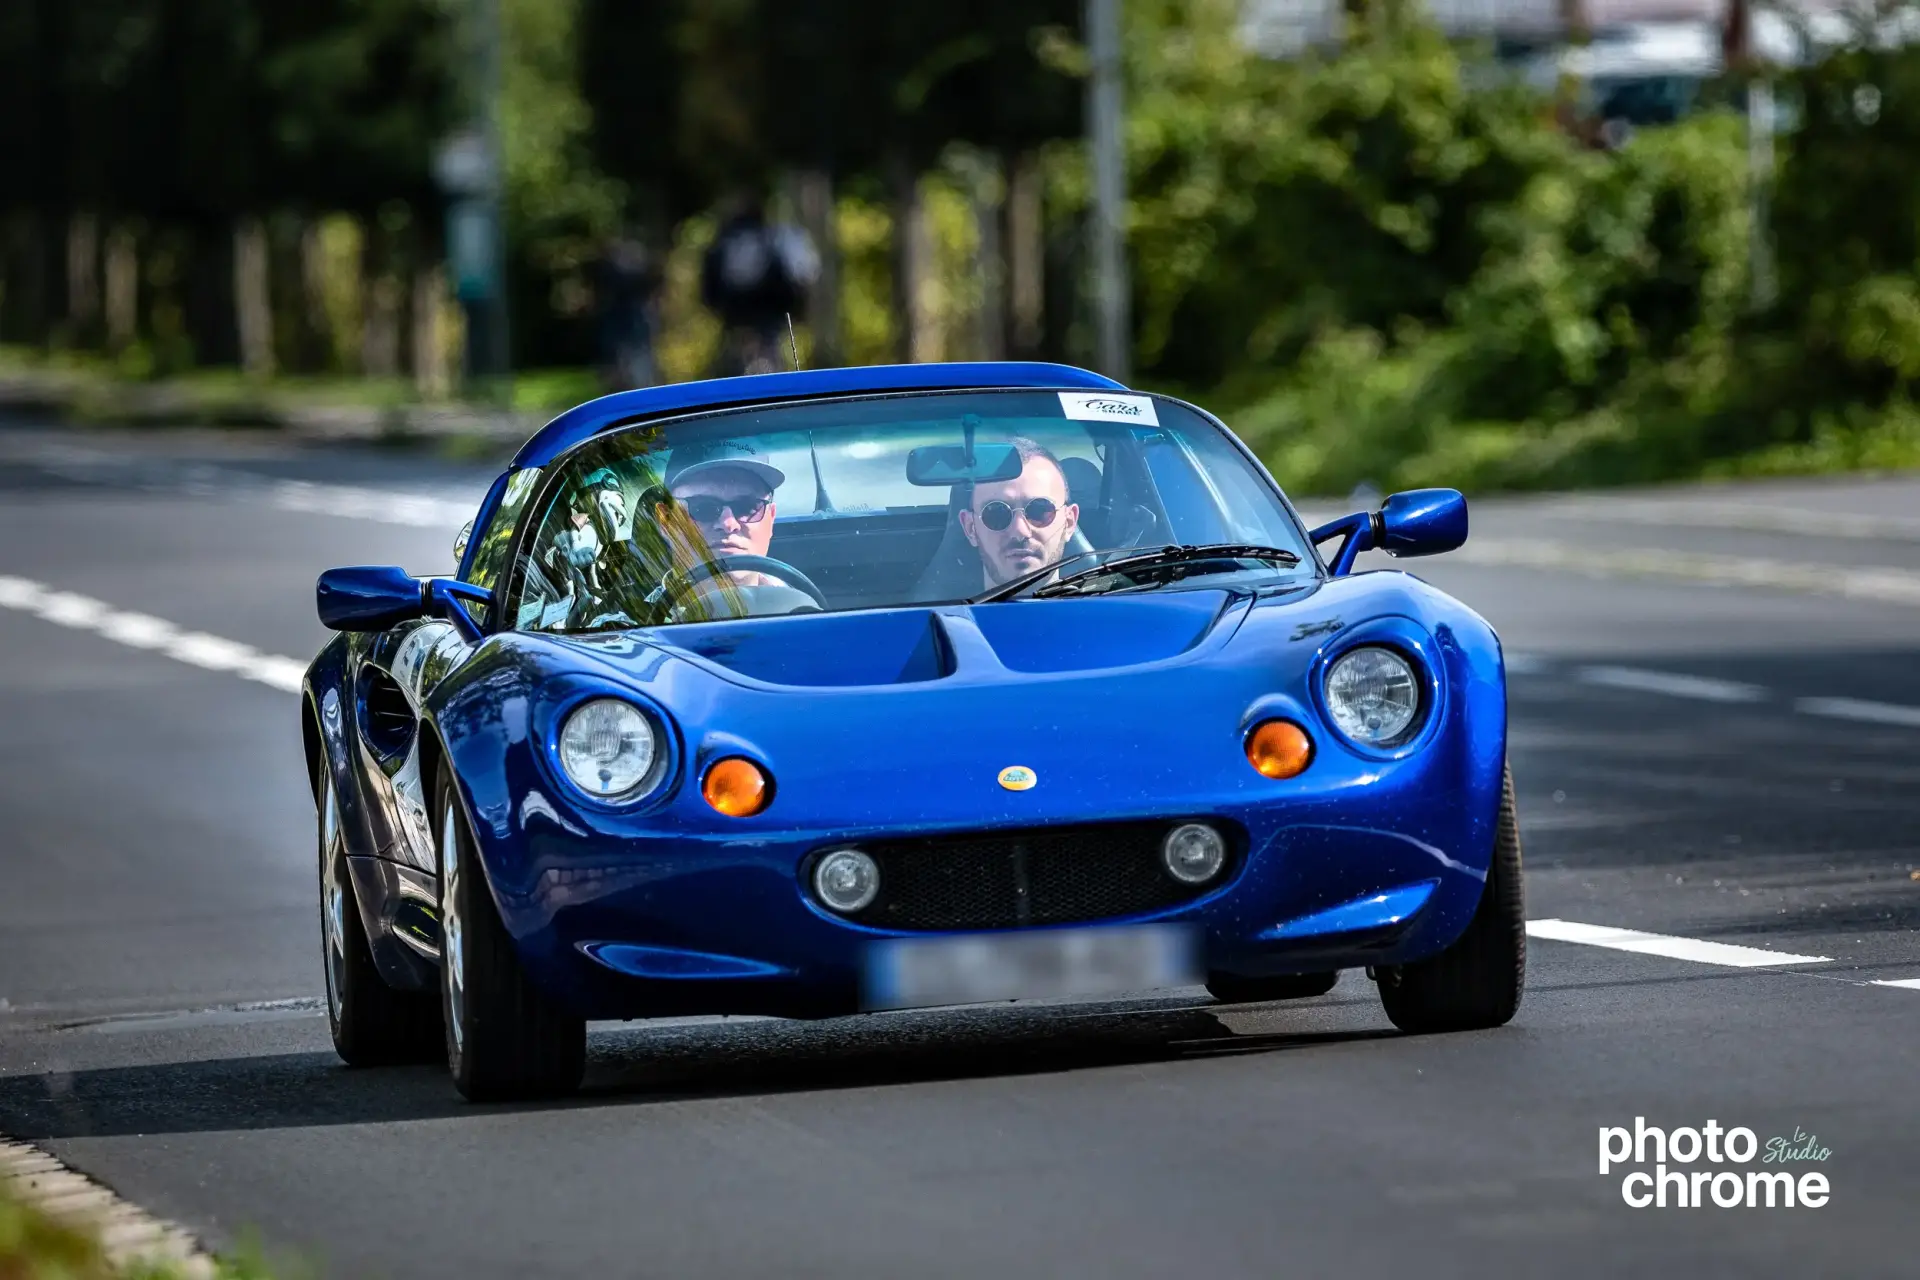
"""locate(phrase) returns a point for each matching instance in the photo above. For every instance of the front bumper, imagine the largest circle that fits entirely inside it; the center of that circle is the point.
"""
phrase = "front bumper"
(1382, 870)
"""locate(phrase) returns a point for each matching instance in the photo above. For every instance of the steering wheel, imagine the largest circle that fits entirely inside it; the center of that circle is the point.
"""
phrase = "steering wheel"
(707, 569)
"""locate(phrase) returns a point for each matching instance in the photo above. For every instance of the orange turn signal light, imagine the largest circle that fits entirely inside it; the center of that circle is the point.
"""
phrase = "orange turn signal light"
(1279, 748)
(737, 787)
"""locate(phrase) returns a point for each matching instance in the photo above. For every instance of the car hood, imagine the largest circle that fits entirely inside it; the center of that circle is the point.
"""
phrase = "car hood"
(1115, 703)
(911, 646)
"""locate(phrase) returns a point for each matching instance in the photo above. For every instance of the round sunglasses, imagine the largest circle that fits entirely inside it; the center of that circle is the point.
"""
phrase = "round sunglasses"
(997, 515)
(707, 509)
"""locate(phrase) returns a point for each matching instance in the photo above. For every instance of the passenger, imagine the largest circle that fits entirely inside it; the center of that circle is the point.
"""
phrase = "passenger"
(1024, 523)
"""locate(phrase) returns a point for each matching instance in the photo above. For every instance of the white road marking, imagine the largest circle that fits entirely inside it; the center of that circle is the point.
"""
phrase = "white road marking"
(1911, 984)
(1872, 582)
(1660, 944)
(1742, 515)
(140, 631)
(1704, 688)
(353, 503)
(1860, 709)
(130, 1235)
(350, 502)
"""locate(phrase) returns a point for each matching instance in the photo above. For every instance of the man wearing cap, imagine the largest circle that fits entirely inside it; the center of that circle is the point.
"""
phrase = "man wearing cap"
(726, 488)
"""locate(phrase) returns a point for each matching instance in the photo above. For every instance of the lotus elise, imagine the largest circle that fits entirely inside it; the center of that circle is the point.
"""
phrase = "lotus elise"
(841, 691)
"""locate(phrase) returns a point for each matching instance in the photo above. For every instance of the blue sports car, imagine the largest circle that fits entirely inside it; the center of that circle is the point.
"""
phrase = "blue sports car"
(823, 692)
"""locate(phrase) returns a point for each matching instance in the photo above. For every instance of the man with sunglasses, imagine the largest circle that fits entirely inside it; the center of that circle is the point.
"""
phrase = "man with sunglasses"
(726, 488)
(1018, 525)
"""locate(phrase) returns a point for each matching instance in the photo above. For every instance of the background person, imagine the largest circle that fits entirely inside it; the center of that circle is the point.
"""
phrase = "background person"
(754, 276)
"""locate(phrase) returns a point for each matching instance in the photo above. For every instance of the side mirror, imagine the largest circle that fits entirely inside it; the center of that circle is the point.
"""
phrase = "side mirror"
(1422, 522)
(377, 596)
(368, 598)
(460, 541)
(1419, 522)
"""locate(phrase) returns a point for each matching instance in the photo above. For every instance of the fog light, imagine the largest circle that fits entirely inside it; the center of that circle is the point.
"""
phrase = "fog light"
(846, 880)
(1194, 853)
(1279, 748)
(737, 787)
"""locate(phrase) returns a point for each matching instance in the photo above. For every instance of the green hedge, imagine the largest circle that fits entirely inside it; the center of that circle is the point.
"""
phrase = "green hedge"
(1393, 274)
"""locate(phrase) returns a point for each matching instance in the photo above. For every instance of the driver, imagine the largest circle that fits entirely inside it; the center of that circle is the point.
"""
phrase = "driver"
(1023, 523)
(726, 488)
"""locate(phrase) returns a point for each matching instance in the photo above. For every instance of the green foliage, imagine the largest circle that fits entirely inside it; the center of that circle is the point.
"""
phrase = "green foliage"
(1399, 278)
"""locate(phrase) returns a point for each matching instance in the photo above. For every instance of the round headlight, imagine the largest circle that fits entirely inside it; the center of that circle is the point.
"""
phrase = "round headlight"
(1194, 852)
(1373, 695)
(608, 747)
(847, 880)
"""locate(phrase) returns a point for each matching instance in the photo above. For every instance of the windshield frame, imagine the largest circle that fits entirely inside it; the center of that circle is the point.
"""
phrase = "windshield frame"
(560, 466)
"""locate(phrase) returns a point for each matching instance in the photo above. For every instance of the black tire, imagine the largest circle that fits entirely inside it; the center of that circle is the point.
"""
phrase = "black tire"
(505, 1038)
(372, 1023)
(1478, 981)
(1231, 989)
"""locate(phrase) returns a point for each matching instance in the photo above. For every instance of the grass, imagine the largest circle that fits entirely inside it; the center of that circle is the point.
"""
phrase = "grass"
(36, 1245)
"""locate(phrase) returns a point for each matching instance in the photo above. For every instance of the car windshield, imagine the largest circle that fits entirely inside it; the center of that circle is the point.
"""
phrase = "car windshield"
(883, 501)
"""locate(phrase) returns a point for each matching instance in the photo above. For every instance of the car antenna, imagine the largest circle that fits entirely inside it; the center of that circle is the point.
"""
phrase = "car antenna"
(821, 502)
(793, 343)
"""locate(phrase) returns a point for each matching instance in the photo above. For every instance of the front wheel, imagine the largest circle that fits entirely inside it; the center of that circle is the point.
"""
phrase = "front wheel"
(1476, 982)
(505, 1037)
(372, 1024)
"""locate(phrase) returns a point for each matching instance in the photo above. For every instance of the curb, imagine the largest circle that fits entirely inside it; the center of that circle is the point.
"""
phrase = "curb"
(129, 1235)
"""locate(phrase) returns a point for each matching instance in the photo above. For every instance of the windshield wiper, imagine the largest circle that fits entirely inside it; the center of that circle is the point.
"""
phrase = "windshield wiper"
(1162, 557)
(1014, 586)
(1150, 558)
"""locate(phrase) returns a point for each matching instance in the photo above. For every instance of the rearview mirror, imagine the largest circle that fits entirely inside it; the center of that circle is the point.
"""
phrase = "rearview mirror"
(368, 598)
(935, 464)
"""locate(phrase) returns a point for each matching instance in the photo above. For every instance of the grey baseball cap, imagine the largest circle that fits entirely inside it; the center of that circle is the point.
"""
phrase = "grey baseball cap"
(712, 455)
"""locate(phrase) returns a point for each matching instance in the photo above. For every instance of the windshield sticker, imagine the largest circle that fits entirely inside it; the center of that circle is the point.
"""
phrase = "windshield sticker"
(1101, 406)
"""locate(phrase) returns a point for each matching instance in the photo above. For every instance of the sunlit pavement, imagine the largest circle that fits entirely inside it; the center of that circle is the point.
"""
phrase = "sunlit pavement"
(1731, 768)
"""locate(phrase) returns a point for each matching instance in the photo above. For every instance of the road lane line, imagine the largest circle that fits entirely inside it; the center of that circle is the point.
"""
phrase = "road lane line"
(141, 631)
(350, 502)
(132, 1238)
(1660, 944)
(1704, 688)
(1740, 515)
(1868, 582)
(1861, 710)
(1911, 984)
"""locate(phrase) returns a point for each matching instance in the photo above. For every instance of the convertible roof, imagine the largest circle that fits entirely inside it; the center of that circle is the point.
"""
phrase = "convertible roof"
(595, 416)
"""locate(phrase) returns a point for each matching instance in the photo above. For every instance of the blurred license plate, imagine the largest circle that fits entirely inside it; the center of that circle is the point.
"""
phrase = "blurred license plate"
(914, 973)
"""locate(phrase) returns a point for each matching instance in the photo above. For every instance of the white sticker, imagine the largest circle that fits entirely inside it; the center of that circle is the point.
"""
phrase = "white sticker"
(1107, 406)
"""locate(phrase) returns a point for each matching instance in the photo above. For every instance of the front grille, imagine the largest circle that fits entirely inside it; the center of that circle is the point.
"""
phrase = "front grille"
(1048, 875)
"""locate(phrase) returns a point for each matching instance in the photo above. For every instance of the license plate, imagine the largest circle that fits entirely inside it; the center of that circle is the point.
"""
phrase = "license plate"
(915, 973)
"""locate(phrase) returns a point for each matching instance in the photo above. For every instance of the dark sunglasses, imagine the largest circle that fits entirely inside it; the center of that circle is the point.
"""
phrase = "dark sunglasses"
(706, 509)
(997, 515)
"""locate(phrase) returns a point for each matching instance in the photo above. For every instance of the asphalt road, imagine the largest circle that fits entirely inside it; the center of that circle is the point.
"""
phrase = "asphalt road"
(1708, 757)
